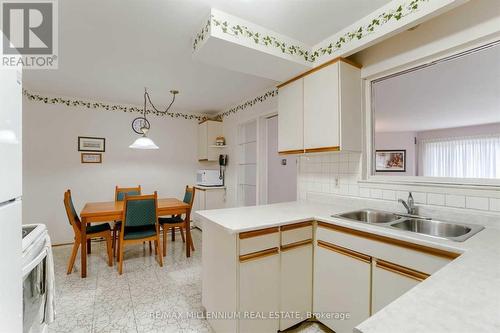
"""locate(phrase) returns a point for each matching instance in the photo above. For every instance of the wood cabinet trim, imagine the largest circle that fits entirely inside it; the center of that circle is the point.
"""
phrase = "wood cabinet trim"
(317, 68)
(296, 244)
(259, 254)
(323, 149)
(347, 252)
(260, 232)
(401, 270)
(291, 152)
(392, 241)
(296, 226)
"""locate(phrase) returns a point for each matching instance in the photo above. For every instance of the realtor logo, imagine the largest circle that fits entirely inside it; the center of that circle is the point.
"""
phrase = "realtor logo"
(29, 34)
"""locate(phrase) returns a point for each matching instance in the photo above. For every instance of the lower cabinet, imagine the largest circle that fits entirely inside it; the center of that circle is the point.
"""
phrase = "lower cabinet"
(391, 281)
(296, 283)
(341, 287)
(206, 199)
(259, 286)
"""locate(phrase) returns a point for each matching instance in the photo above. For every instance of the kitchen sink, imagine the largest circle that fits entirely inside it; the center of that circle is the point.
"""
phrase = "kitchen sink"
(458, 232)
(438, 229)
(370, 216)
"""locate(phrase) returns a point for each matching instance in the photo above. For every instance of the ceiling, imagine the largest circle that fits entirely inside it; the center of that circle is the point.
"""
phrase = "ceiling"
(456, 93)
(109, 50)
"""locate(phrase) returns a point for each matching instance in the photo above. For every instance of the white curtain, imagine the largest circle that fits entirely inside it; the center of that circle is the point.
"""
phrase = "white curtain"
(466, 157)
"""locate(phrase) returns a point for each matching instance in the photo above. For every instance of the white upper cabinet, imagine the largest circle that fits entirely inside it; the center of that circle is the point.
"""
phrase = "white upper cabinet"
(321, 110)
(208, 131)
(291, 117)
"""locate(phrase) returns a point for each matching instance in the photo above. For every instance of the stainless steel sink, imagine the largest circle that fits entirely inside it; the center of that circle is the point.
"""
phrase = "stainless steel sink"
(370, 216)
(438, 229)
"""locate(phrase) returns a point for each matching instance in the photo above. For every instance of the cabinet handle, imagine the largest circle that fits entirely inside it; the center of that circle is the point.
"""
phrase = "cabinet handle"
(344, 251)
(290, 246)
(260, 232)
(259, 254)
(401, 270)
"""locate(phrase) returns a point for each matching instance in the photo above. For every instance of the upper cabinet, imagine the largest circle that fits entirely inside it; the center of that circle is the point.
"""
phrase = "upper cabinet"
(208, 131)
(321, 110)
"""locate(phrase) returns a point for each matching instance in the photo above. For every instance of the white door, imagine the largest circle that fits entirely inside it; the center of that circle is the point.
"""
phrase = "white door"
(341, 289)
(321, 108)
(391, 281)
(291, 114)
(281, 169)
(10, 135)
(296, 284)
(259, 294)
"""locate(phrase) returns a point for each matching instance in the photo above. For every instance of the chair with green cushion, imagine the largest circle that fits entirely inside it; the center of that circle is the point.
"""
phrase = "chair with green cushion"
(177, 221)
(120, 193)
(93, 231)
(139, 224)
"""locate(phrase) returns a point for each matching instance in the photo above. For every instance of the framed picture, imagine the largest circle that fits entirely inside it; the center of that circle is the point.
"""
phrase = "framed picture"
(390, 160)
(91, 158)
(86, 143)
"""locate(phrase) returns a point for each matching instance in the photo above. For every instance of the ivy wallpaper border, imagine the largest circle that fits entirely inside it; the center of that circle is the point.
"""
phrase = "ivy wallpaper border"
(310, 56)
(106, 106)
(259, 99)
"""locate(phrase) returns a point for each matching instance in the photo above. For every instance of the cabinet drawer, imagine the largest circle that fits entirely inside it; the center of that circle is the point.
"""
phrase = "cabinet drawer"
(259, 240)
(297, 232)
(418, 257)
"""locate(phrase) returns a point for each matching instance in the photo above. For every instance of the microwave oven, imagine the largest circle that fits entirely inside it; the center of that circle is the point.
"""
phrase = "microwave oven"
(209, 178)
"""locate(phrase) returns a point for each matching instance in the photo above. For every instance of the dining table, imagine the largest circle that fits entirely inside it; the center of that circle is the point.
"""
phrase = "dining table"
(98, 212)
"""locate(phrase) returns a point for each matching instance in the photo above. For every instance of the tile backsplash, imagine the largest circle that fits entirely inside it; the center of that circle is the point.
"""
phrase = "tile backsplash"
(339, 173)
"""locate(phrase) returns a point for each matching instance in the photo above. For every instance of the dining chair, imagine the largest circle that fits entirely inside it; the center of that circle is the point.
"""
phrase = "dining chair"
(139, 224)
(120, 193)
(177, 221)
(93, 231)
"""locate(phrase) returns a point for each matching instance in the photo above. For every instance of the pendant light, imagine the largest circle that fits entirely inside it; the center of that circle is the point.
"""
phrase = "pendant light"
(141, 125)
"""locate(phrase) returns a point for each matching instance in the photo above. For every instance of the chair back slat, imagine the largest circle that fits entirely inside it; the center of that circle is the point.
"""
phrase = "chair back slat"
(73, 217)
(120, 192)
(140, 210)
(189, 196)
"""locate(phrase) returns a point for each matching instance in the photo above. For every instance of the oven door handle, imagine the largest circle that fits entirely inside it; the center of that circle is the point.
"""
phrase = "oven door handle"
(28, 268)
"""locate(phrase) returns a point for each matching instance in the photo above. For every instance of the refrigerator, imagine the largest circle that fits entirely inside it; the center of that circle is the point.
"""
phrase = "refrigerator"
(11, 295)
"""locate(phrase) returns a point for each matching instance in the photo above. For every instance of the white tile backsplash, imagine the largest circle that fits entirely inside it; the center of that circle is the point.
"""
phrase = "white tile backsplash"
(452, 200)
(318, 174)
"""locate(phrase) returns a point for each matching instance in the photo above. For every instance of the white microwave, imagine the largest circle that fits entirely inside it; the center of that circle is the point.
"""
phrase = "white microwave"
(209, 178)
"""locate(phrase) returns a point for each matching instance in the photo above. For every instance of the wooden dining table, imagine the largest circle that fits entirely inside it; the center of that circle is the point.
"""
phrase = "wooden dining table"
(95, 212)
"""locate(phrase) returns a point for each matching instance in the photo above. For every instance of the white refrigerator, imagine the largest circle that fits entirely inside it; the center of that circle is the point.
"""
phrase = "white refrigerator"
(11, 299)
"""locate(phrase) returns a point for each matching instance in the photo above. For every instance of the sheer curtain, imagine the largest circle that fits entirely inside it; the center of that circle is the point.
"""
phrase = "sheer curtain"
(466, 157)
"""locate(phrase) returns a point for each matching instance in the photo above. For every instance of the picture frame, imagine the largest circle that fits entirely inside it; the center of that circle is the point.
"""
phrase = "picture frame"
(391, 160)
(92, 144)
(91, 158)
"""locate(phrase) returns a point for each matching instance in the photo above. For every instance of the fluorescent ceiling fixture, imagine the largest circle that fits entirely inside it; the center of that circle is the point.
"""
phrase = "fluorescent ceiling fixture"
(143, 143)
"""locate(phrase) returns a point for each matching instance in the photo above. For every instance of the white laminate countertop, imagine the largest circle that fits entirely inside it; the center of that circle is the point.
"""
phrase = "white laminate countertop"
(463, 296)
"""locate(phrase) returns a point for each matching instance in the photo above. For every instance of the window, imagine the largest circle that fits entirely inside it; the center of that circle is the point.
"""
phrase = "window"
(466, 157)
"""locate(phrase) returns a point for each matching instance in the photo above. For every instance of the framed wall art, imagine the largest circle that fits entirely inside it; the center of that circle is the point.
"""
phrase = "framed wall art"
(91, 158)
(390, 160)
(86, 143)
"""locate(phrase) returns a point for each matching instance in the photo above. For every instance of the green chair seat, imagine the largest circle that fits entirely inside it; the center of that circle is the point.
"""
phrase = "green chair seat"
(93, 229)
(139, 232)
(175, 219)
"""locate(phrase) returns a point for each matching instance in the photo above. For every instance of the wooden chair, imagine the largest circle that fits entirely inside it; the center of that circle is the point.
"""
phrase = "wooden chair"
(120, 193)
(177, 221)
(93, 231)
(139, 224)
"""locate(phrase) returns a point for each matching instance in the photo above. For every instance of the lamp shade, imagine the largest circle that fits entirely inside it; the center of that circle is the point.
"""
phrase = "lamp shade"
(143, 143)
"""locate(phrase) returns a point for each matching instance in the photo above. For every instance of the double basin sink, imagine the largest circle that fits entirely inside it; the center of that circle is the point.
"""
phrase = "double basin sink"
(420, 225)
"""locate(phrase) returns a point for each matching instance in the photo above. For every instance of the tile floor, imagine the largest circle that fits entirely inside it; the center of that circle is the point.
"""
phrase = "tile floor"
(141, 299)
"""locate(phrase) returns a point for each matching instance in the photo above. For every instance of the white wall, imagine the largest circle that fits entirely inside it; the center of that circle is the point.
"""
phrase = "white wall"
(51, 162)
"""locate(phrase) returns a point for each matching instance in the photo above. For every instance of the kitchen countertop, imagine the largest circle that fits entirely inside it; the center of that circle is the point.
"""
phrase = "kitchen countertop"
(463, 296)
(203, 188)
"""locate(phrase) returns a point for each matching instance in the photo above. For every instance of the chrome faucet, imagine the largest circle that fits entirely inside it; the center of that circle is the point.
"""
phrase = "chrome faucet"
(409, 204)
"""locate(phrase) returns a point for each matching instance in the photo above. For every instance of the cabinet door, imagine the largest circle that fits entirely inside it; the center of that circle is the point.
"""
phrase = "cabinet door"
(296, 284)
(215, 199)
(341, 287)
(259, 292)
(391, 281)
(202, 141)
(198, 204)
(321, 108)
(290, 117)
(214, 129)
